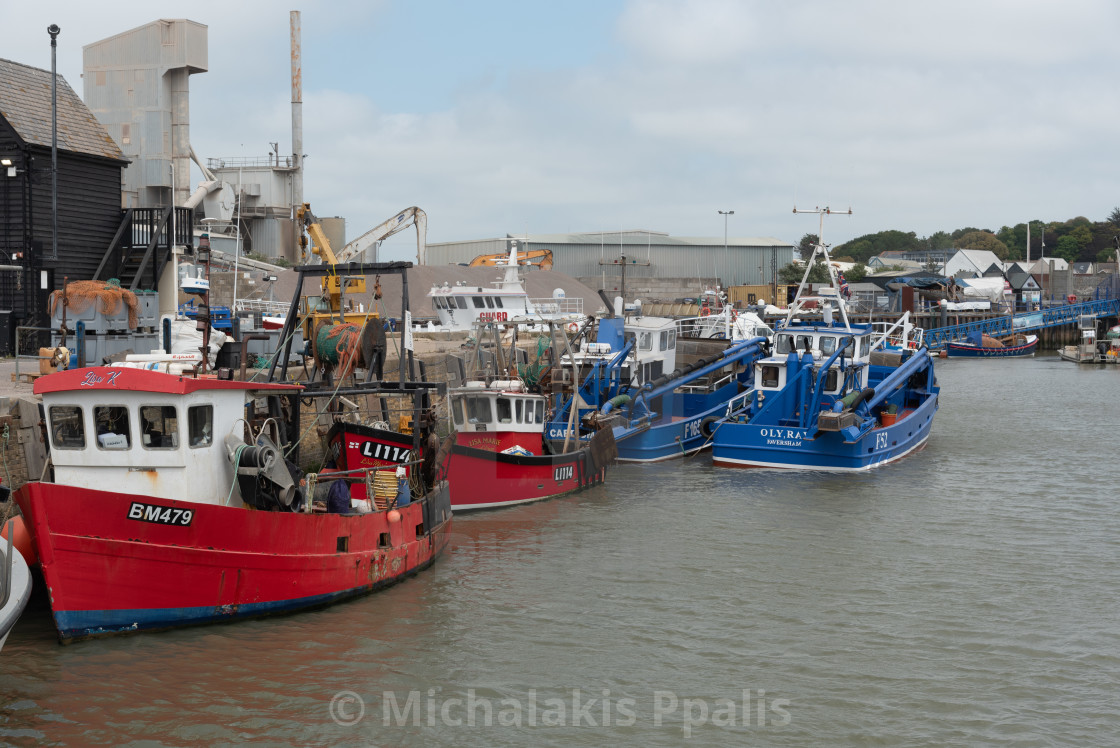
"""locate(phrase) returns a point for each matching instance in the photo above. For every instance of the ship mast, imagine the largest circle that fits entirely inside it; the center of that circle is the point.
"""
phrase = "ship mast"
(822, 249)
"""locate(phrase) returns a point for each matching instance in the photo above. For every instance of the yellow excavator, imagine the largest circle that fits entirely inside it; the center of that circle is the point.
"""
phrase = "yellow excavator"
(542, 258)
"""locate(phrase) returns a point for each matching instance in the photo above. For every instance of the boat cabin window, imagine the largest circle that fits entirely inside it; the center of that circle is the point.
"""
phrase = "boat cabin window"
(783, 344)
(112, 427)
(645, 341)
(498, 302)
(478, 410)
(770, 376)
(489, 301)
(200, 425)
(540, 411)
(517, 410)
(159, 427)
(828, 345)
(831, 380)
(672, 340)
(457, 410)
(851, 350)
(478, 302)
(68, 431)
(461, 302)
(664, 341)
(505, 410)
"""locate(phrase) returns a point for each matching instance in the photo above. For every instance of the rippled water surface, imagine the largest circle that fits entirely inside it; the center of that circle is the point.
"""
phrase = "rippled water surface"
(969, 594)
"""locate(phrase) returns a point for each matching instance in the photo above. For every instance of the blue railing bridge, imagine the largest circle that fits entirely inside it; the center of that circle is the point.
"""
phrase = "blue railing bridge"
(1049, 317)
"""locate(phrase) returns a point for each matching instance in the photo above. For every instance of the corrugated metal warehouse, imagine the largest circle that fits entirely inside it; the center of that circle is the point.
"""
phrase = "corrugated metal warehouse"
(744, 261)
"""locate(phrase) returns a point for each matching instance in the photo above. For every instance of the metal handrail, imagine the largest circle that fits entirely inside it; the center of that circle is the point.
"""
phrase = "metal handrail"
(1037, 320)
(17, 356)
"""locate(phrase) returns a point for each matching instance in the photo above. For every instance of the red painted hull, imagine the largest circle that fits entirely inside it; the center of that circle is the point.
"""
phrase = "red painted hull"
(480, 478)
(108, 573)
(488, 480)
(354, 447)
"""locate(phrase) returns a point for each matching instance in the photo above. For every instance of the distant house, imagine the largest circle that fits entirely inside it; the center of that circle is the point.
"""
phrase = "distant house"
(1023, 284)
(878, 262)
(995, 270)
(1044, 265)
(89, 193)
(891, 276)
(969, 263)
(1082, 268)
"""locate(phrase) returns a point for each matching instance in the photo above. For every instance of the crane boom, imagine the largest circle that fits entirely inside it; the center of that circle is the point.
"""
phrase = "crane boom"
(377, 234)
(540, 257)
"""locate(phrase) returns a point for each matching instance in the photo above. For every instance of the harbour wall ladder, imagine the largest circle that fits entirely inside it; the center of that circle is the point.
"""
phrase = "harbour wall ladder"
(1050, 317)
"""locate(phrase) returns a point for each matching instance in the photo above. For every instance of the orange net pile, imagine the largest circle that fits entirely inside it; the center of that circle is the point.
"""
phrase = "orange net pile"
(108, 294)
(338, 346)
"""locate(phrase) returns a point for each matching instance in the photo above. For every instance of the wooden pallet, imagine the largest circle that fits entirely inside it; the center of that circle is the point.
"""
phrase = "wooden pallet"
(26, 377)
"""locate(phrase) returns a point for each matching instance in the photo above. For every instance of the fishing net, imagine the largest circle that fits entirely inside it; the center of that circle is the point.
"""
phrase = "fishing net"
(107, 294)
(530, 373)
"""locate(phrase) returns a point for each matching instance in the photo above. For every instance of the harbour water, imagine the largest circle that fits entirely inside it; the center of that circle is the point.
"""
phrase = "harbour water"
(969, 594)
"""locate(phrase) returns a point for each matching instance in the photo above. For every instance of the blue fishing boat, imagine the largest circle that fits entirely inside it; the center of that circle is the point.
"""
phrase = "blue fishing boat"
(979, 345)
(629, 379)
(833, 395)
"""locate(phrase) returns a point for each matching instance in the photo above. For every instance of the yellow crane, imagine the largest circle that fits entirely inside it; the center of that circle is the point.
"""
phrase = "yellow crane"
(316, 313)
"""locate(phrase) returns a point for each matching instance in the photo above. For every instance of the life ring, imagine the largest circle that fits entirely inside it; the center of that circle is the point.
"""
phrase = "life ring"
(705, 311)
(572, 327)
(912, 345)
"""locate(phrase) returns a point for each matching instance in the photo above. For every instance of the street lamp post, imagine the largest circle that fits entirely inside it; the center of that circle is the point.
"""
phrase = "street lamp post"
(726, 256)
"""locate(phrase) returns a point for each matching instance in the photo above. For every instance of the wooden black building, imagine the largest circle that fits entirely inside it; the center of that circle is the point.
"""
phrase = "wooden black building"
(89, 195)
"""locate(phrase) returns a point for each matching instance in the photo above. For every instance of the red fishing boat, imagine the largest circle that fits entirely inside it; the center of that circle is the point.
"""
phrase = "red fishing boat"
(496, 457)
(176, 500)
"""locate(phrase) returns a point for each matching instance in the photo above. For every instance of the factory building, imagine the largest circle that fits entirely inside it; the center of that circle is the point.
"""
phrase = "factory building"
(657, 264)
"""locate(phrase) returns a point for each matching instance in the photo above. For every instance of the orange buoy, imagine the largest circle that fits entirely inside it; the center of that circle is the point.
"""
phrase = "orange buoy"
(394, 515)
(21, 539)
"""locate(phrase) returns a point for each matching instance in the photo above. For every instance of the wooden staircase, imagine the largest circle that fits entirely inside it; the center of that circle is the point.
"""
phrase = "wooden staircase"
(141, 248)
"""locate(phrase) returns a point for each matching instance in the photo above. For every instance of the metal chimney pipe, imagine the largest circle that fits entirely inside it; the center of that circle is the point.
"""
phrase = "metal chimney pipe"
(297, 124)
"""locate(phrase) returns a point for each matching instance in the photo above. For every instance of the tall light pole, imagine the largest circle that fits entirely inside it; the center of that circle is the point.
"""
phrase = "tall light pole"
(54, 31)
(726, 257)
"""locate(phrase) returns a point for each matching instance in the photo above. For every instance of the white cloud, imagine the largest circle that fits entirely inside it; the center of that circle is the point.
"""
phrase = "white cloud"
(923, 116)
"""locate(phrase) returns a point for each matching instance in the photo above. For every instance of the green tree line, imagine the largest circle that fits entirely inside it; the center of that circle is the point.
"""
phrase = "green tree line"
(1075, 240)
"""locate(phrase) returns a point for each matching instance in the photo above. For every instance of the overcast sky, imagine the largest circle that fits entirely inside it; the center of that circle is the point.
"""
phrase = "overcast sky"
(591, 115)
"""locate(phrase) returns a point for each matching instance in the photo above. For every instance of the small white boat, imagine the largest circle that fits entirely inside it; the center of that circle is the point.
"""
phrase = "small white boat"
(15, 585)
(461, 307)
(1091, 350)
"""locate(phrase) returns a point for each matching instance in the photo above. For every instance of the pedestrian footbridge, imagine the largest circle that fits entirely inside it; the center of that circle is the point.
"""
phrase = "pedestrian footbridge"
(1051, 317)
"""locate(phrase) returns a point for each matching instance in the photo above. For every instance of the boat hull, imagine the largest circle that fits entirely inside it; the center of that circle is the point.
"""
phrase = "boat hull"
(964, 350)
(746, 445)
(482, 478)
(112, 568)
(19, 592)
(666, 440)
(489, 480)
